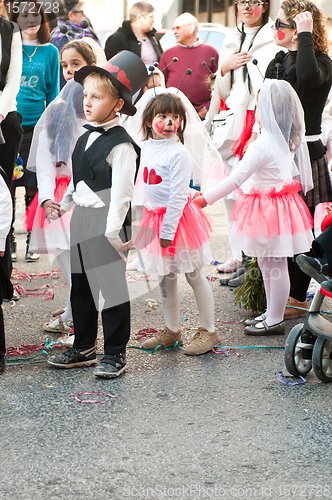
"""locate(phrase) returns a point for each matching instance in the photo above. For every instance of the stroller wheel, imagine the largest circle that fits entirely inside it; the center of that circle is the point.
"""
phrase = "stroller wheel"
(297, 354)
(322, 359)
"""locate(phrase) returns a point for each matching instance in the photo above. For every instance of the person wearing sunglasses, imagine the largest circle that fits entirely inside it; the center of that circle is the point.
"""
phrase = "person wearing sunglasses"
(299, 28)
(237, 83)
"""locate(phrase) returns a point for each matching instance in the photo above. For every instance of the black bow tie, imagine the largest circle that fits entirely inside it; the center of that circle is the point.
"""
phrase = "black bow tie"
(91, 128)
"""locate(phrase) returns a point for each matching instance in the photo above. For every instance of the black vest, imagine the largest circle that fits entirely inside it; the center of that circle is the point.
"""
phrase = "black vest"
(91, 166)
(6, 30)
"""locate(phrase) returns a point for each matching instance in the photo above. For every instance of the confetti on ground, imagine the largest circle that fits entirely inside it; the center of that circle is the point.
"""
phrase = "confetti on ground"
(92, 400)
(152, 304)
(145, 333)
(289, 376)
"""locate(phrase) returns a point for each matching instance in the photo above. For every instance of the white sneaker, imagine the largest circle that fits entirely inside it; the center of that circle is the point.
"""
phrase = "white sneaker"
(313, 287)
(69, 341)
(230, 266)
(57, 326)
(132, 266)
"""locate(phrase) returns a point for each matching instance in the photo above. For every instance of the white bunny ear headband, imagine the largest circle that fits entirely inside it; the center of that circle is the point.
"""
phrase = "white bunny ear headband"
(281, 115)
(196, 139)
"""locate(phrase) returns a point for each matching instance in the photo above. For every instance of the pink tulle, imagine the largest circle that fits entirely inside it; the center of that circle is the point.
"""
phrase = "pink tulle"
(245, 134)
(265, 214)
(35, 214)
(217, 173)
(193, 230)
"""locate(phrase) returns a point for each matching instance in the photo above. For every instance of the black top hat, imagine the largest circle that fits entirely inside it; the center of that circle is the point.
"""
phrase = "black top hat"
(128, 73)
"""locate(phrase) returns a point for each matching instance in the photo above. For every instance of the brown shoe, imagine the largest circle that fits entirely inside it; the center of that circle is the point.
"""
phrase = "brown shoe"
(203, 341)
(291, 312)
(166, 337)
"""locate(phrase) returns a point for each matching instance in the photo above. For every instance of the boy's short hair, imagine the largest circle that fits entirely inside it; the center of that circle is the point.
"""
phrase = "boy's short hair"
(103, 82)
(138, 8)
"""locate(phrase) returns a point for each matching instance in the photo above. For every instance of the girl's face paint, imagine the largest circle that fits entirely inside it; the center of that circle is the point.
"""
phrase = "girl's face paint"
(165, 126)
(251, 16)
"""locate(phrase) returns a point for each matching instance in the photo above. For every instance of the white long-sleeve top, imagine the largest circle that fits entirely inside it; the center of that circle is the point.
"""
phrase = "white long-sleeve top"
(237, 95)
(257, 169)
(13, 76)
(6, 212)
(46, 171)
(122, 160)
(167, 172)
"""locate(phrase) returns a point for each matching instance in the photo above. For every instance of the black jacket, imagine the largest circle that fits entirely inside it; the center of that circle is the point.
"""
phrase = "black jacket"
(124, 39)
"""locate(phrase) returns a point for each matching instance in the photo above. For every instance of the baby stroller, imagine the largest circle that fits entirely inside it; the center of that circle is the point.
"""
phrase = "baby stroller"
(309, 344)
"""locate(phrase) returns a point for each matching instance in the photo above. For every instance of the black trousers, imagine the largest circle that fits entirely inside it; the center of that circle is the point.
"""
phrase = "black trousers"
(13, 134)
(97, 268)
(6, 292)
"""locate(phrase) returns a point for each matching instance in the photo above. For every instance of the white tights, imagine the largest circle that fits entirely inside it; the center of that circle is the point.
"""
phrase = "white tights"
(277, 286)
(63, 259)
(171, 299)
(229, 205)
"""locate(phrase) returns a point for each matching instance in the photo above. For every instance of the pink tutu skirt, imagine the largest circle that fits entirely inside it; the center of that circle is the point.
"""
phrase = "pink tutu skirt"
(190, 249)
(216, 174)
(272, 223)
(48, 236)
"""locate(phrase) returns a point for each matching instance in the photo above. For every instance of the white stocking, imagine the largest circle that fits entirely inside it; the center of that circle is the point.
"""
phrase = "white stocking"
(229, 204)
(170, 300)
(277, 286)
(204, 298)
(63, 259)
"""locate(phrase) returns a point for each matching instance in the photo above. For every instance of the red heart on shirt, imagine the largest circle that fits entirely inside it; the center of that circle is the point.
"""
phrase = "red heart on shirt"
(153, 177)
(122, 77)
(145, 175)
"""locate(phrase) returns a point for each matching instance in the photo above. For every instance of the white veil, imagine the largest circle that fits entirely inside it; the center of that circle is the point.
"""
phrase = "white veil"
(196, 139)
(62, 120)
(280, 113)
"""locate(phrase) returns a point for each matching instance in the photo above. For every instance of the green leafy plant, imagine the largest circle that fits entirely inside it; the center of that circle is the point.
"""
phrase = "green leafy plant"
(251, 295)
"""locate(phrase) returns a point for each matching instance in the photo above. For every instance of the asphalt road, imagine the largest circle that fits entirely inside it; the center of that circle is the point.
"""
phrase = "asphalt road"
(179, 427)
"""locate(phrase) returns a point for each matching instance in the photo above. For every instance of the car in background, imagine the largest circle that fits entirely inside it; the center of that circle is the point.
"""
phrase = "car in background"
(210, 33)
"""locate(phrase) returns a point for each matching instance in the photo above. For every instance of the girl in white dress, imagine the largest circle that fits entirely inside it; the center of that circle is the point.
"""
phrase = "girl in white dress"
(270, 219)
(237, 83)
(173, 235)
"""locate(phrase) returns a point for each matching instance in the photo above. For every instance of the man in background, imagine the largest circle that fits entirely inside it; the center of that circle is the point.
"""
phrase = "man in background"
(191, 53)
(136, 35)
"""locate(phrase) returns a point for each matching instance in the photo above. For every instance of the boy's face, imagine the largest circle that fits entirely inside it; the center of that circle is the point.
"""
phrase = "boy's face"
(99, 105)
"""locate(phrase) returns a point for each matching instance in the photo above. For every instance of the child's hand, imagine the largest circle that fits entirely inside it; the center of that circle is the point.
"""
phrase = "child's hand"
(200, 200)
(121, 247)
(52, 209)
(165, 243)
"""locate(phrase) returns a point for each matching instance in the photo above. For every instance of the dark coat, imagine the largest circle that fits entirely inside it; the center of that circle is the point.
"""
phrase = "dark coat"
(124, 39)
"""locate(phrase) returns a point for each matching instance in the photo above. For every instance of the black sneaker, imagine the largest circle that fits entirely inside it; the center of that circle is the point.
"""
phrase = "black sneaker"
(72, 358)
(111, 366)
